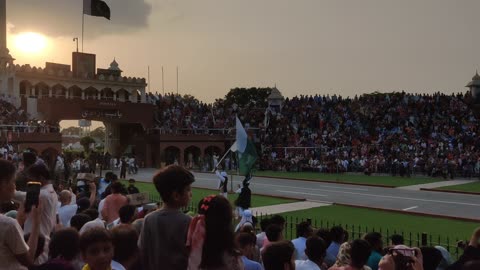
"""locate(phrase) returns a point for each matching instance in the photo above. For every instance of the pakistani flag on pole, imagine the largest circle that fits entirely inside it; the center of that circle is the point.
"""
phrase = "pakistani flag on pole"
(96, 8)
(247, 154)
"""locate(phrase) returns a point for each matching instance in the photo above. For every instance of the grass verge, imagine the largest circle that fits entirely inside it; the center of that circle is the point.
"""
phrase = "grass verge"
(470, 187)
(391, 181)
(199, 193)
(360, 220)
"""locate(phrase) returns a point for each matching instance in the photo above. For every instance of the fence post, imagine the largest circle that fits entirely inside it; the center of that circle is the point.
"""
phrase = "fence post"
(424, 240)
(291, 226)
(456, 248)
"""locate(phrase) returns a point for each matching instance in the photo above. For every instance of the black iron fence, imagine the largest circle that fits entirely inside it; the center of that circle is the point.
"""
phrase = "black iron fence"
(355, 231)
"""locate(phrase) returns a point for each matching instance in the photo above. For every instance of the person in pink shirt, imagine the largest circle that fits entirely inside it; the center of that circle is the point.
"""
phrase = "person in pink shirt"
(113, 203)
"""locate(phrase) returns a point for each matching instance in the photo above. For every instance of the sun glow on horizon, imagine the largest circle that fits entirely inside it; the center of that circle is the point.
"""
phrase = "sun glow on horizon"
(30, 42)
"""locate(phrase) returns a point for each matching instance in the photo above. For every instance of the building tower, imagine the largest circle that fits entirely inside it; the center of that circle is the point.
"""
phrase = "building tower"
(7, 69)
(474, 86)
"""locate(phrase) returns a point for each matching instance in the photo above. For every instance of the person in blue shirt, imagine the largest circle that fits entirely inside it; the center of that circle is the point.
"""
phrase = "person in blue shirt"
(338, 237)
(376, 242)
(245, 243)
(103, 183)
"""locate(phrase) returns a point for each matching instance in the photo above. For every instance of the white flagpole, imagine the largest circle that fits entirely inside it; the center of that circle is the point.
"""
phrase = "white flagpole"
(220, 161)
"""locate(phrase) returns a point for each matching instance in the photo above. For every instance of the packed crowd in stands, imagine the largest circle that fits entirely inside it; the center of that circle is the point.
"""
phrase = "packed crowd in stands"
(391, 133)
(18, 120)
(93, 226)
(187, 115)
(397, 133)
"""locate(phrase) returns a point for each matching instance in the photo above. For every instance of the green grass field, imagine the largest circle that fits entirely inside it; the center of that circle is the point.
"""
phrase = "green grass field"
(471, 187)
(360, 220)
(352, 178)
(199, 193)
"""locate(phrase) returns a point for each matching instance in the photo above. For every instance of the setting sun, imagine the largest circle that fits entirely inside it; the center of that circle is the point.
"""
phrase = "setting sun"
(30, 42)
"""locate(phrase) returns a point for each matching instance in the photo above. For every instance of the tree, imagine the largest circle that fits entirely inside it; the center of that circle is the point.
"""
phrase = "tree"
(72, 131)
(86, 142)
(248, 97)
(98, 133)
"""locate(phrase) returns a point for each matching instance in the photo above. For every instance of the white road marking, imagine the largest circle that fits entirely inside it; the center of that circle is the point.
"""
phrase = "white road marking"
(283, 186)
(304, 193)
(363, 194)
(410, 208)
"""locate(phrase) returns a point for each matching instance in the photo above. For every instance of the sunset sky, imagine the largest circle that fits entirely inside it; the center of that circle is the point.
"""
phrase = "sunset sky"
(303, 46)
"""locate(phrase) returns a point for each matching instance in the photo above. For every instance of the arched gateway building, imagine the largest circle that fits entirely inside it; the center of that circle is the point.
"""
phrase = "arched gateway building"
(81, 91)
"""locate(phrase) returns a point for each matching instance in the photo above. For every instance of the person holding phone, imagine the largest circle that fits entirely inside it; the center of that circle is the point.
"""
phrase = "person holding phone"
(471, 252)
(48, 199)
(15, 253)
(402, 258)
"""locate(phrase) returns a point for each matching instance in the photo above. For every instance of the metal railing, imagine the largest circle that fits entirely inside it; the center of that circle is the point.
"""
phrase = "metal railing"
(30, 128)
(355, 231)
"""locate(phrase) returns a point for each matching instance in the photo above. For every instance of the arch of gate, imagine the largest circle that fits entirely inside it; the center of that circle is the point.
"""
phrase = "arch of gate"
(25, 87)
(91, 93)
(122, 95)
(75, 92)
(197, 145)
(172, 155)
(192, 156)
(107, 94)
(212, 155)
(41, 89)
(59, 90)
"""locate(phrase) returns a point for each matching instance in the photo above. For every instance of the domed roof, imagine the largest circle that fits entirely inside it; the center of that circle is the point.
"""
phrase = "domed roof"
(476, 77)
(114, 65)
(275, 94)
(475, 80)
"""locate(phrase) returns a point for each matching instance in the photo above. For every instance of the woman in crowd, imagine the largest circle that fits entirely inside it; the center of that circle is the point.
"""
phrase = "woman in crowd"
(353, 256)
(211, 238)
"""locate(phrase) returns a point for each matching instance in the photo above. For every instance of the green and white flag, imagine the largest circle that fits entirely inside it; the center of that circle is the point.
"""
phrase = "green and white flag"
(97, 8)
(245, 149)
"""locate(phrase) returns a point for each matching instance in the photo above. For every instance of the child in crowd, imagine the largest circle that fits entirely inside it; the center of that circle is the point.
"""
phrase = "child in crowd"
(164, 233)
(211, 237)
(96, 247)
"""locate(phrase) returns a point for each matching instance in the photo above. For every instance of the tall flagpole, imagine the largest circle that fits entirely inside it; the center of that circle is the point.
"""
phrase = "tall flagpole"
(149, 79)
(177, 80)
(163, 85)
(83, 21)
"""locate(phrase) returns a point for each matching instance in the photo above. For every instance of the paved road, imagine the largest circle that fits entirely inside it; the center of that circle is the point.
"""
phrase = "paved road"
(439, 203)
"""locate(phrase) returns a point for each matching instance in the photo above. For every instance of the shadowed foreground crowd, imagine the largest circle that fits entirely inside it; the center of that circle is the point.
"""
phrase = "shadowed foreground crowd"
(94, 227)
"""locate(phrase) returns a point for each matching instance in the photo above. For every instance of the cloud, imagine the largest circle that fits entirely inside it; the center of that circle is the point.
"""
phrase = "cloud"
(64, 17)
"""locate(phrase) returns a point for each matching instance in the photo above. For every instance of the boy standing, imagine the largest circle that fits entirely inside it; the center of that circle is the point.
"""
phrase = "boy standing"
(164, 233)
